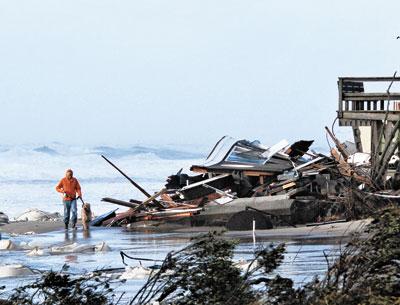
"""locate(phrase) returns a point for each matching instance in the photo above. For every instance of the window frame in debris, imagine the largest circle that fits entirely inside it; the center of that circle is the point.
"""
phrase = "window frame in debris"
(245, 153)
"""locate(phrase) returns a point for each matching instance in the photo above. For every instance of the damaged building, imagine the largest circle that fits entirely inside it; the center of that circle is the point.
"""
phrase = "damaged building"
(287, 183)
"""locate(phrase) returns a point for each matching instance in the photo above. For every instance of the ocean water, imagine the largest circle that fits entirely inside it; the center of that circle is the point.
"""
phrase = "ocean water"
(29, 173)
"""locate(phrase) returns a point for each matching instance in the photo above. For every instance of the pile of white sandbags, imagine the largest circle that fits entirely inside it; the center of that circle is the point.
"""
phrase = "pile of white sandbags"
(79, 248)
(137, 272)
(38, 215)
(36, 252)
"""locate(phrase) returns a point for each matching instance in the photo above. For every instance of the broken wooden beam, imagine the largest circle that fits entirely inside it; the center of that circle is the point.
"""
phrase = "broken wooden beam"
(339, 145)
(120, 202)
(346, 170)
(150, 199)
(383, 160)
(129, 179)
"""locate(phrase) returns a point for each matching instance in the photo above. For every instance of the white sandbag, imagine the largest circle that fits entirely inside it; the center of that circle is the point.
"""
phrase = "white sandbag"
(72, 248)
(6, 244)
(36, 244)
(29, 233)
(15, 270)
(244, 265)
(83, 248)
(102, 247)
(23, 245)
(35, 252)
(138, 272)
(38, 215)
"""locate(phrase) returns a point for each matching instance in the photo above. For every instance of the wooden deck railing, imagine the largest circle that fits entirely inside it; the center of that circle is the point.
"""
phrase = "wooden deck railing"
(352, 96)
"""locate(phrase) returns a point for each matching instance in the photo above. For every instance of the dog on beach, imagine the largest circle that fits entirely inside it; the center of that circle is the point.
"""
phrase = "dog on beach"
(86, 216)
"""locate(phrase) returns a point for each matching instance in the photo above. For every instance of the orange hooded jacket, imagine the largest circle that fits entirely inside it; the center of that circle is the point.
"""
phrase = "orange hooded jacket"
(70, 187)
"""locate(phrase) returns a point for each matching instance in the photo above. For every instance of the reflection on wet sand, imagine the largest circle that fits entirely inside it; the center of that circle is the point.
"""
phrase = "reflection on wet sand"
(302, 261)
(71, 235)
(68, 235)
(71, 259)
(86, 234)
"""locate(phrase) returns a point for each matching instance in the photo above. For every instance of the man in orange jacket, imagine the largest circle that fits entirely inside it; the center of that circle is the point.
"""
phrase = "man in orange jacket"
(69, 187)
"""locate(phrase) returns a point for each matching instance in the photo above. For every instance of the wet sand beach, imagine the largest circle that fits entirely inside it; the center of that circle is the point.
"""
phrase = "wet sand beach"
(304, 258)
(31, 226)
(323, 231)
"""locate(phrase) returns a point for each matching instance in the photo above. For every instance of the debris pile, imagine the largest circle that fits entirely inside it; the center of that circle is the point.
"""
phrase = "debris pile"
(238, 182)
(242, 182)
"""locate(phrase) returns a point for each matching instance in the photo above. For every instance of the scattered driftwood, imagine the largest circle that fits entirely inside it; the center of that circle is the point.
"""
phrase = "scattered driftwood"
(150, 199)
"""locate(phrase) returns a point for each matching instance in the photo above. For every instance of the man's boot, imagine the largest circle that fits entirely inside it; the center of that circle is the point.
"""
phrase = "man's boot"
(73, 226)
(66, 226)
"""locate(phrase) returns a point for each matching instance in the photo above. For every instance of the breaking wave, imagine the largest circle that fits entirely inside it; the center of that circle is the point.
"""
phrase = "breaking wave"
(116, 152)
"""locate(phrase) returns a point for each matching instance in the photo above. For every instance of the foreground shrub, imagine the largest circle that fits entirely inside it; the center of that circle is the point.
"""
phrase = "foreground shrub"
(368, 271)
(204, 273)
(60, 288)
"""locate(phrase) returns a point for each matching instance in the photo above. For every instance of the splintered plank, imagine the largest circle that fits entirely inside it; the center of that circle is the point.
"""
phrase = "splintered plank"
(120, 202)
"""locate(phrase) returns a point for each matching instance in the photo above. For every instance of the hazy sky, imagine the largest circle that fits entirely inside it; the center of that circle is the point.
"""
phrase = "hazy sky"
(123, 72)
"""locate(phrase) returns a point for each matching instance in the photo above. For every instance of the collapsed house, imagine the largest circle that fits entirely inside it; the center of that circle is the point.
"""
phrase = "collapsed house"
(243, 181)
